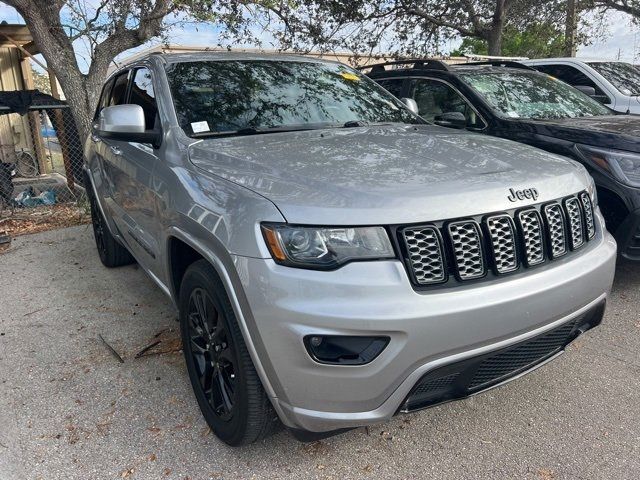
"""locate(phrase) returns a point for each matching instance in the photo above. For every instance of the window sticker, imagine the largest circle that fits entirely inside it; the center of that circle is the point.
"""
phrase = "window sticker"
(350, 76)
(198, 127)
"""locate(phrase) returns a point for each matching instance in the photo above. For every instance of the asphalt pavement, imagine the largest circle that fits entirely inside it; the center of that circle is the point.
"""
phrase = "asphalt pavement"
(69, 409)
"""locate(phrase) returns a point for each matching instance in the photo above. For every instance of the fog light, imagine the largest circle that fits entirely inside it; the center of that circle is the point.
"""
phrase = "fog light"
(344, 349)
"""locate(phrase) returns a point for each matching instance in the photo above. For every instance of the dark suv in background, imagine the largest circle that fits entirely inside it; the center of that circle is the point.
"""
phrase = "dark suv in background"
(514, 101)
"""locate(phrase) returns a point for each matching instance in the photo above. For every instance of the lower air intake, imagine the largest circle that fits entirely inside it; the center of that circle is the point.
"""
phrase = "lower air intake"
(466, 377)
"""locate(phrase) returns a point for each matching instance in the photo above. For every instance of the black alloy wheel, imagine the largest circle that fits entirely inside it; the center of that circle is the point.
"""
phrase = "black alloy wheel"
(212, 353)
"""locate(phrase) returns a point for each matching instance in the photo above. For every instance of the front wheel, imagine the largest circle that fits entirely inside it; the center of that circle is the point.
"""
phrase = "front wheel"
(224, 380)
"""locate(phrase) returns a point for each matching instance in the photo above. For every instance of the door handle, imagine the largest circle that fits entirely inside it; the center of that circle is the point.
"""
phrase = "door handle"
(115, 150)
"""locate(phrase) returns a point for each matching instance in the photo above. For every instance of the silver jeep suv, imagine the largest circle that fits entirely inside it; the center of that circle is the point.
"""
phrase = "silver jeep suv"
(335, 259)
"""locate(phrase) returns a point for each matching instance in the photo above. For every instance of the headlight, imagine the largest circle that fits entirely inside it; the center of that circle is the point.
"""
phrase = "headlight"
(625, 166)
(325, 247)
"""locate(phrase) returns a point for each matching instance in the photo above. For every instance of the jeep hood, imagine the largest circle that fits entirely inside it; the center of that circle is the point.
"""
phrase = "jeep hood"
(386, 174)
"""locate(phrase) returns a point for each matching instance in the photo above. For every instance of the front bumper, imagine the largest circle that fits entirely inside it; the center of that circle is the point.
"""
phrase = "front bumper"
(428, 329)
(628, 236)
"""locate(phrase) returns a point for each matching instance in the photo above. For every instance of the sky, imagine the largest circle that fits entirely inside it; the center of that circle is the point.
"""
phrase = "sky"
(622, 38)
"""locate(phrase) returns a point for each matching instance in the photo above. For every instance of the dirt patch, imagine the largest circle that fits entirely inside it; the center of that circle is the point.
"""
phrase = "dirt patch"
(38, 219)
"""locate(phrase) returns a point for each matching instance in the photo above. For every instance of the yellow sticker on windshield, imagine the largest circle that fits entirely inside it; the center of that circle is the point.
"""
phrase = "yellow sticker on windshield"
(350, 76)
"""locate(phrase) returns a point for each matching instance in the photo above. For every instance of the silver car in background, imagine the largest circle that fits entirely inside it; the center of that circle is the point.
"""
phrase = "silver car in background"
(334, 258)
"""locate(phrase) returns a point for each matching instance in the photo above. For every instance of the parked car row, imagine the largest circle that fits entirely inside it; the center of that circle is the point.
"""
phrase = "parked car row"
(514, 101)
(336, 258)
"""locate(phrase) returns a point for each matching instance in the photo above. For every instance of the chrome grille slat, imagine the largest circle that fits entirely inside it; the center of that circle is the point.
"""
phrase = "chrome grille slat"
(574, 217)
(503, 243)
(425, 254)
(435, 253)
(467, 249)
(556, 229)
(589, 221)
(532, 236)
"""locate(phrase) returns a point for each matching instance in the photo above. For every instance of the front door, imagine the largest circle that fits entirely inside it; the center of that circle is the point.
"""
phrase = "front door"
(129, 169)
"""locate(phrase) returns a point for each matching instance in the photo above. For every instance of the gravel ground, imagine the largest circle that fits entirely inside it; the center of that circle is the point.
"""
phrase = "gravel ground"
(70, 410)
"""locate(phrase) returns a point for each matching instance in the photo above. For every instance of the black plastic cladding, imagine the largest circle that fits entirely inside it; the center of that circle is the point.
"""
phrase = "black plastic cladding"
(452, 277)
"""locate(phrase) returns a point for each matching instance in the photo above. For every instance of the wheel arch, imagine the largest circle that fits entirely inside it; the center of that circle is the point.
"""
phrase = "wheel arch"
(180, 242)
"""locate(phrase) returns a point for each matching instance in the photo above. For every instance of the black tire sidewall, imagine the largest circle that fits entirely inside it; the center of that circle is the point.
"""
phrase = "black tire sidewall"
(95, 212)
(199, 275)
(114, 254)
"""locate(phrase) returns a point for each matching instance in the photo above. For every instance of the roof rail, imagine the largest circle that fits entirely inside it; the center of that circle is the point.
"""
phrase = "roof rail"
(501, 63)
(418, 63)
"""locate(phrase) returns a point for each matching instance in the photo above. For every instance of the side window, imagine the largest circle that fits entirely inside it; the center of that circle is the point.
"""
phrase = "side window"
(104, 97)
(435, 98)
(119, 91)
(142, 94)
(570, 75)
(393, 85)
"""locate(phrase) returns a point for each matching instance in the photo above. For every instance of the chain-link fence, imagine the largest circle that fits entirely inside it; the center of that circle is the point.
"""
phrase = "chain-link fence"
(40, 165)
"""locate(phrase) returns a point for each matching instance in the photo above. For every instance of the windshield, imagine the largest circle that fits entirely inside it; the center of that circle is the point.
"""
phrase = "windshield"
(227, 97)
(624, 76)
(532, 95)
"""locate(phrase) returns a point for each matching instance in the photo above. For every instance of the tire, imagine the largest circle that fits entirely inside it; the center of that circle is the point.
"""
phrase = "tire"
(224, 380)
(112, 253)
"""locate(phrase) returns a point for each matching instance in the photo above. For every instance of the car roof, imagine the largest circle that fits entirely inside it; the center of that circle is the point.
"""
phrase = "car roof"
(169, 58)
(451, 70)
(571, 60)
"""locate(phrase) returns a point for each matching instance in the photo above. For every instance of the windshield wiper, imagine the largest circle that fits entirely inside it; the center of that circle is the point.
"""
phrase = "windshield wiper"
(353, 124)
(251, 131)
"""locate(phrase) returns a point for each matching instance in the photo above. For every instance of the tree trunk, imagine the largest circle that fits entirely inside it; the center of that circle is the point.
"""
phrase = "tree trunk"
(494, 33)
(494, 42)
(571, 26)
(43, 20)
(81, 90)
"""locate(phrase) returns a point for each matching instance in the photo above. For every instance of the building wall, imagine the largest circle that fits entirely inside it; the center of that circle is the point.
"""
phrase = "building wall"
(14, 129)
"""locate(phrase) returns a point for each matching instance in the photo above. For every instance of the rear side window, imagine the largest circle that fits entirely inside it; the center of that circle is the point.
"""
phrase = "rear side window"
(142, 94)
(392, 85)
(119, 91)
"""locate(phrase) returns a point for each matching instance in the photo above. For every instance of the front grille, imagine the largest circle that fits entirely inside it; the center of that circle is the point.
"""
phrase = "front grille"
(503, 243)
(590, 224)
(533, 240)
(575, 221)
(425, 254)
(468, 249)
(554, 219)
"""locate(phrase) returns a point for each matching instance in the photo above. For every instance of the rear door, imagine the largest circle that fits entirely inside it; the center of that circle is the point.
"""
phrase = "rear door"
(129, 169)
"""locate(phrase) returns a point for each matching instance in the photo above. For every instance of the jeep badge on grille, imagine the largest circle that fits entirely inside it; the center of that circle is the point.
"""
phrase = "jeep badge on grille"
(515, 195)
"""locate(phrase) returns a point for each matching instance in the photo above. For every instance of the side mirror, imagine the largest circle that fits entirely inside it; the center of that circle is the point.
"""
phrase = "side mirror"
(586, 90)
(451, 120)
(411, 104)
(592, 93)
(126, 123)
